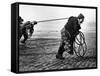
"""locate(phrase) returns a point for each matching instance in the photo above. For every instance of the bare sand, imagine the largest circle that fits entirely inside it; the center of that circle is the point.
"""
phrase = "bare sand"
(39, 54)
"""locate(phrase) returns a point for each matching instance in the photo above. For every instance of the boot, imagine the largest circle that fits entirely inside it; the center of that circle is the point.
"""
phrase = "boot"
(23, 42)
(60, 57)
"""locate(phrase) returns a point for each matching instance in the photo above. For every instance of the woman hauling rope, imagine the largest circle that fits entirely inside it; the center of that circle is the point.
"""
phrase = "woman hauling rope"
(68, 34)
(23, 27)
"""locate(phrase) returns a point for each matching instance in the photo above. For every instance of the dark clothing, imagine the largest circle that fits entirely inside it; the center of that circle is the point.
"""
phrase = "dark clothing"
(31, 29)
(72, 26)
(23, 30)
(25, 34)
(68, 34)
(20, 20)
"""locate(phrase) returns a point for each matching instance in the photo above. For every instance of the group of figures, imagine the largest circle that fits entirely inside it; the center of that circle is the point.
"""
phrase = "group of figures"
(68, 33)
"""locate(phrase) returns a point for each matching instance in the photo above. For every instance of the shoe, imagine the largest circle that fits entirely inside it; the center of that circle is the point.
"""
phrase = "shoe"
(60, 57)
(71, 52)
(23, 42)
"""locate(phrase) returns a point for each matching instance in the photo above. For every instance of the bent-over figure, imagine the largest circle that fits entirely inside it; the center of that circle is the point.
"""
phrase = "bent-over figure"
(23, 27)
(68, 34)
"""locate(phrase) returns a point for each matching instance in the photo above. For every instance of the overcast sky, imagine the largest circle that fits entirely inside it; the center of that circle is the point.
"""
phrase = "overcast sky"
(37, 13)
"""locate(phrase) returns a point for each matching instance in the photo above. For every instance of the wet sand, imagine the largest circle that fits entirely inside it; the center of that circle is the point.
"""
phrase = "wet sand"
(39, 54)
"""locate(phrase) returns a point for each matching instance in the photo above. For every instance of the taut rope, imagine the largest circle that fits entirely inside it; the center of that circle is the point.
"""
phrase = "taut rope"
(52, 20)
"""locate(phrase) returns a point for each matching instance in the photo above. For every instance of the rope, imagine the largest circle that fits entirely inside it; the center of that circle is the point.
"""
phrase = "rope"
(81, 46)
(52, 20)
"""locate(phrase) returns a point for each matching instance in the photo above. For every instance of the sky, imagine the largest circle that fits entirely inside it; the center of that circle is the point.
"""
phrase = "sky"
(38, 13)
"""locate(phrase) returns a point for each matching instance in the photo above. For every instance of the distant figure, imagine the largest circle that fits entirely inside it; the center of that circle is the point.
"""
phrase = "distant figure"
(68, 34)
(23, 27)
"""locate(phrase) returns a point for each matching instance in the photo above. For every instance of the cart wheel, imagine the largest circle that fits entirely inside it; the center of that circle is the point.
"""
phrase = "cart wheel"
(79, 45)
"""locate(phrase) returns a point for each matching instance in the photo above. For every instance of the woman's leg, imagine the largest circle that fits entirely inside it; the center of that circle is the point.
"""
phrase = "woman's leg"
(60, 51)
(71, 47)
(25, 34)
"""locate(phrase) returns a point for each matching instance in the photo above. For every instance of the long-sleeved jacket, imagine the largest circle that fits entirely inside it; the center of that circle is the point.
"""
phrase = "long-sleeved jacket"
(73, 25)
(27, 26)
